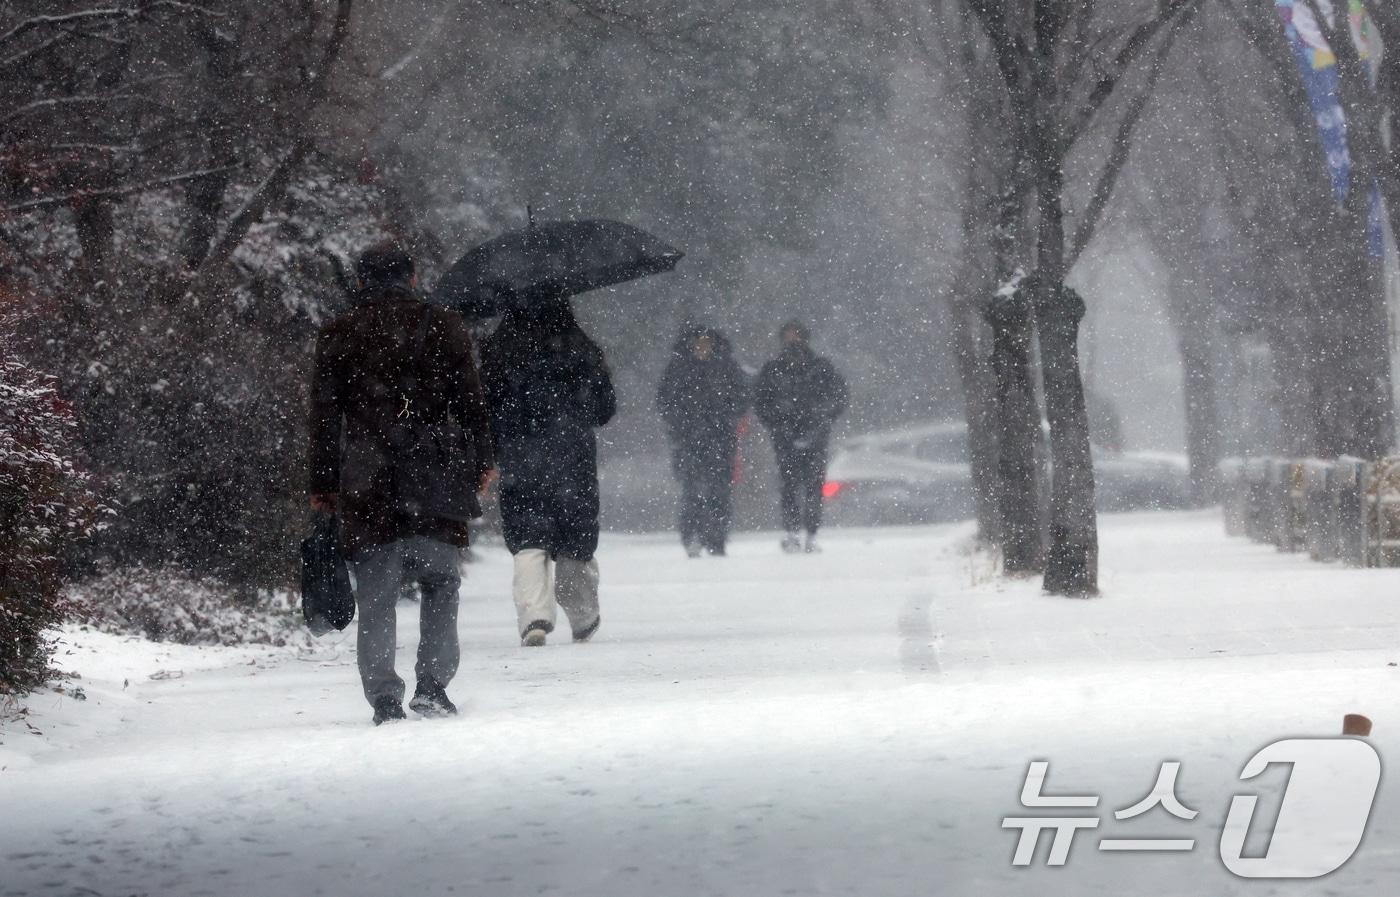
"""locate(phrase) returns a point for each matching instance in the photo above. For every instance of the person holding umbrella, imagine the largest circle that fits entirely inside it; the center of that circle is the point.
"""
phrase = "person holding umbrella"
(702, 396)
(549, 388)
(799, 396)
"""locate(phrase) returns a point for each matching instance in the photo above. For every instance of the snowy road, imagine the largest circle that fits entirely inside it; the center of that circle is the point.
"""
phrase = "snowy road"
(856, 723)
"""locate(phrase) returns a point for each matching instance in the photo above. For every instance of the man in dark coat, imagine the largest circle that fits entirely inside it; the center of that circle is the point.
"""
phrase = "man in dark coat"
(400, 446)
(702, 396)
(549, 388)
(799, 396)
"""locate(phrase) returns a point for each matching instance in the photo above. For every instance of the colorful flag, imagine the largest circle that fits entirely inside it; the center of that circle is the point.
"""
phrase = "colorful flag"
(1317, 64)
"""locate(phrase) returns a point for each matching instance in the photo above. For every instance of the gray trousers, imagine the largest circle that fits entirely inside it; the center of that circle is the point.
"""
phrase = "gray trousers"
(380, 575)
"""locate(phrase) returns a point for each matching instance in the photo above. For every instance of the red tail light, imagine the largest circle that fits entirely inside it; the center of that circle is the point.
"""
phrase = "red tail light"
(831, 489)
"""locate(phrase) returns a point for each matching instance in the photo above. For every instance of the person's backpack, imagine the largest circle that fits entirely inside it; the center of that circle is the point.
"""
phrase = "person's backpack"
(430, 469)
(327, 601)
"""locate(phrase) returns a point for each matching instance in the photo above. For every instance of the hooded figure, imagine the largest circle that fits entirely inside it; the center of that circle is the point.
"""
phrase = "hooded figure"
(549, 388)
(400, 445)
(799, 396)
(702, 396)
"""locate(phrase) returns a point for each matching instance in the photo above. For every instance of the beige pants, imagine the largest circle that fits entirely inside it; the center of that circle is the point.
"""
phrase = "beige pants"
(540, 585)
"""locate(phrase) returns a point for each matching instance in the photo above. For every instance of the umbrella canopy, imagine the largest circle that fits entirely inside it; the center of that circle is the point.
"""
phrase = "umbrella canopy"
(552, 259)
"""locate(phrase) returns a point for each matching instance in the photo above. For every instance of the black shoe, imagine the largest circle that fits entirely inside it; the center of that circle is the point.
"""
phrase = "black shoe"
(535, 634)
(387, 709)
(586, 633)
(430, 700)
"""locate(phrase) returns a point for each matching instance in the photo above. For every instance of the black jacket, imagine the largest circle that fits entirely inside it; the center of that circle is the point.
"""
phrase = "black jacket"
(799, 396)
(549, 388)
(357, 410)
(702, 401)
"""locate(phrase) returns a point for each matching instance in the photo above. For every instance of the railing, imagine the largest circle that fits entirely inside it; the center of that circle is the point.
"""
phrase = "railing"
(1346, 510)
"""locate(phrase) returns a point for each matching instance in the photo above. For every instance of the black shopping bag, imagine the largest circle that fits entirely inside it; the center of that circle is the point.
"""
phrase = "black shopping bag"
(327, 600)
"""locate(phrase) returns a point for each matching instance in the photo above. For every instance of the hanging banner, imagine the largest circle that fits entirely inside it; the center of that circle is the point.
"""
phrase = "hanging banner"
(1317, 64)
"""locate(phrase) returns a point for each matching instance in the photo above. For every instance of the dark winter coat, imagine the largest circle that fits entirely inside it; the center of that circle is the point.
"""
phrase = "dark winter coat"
(549, 388)
(799, 395)
(702, 401)
(359, 412)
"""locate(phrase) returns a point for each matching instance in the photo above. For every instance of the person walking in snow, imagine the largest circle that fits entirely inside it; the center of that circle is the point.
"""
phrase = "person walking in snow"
(799, 396)
(400, 447)
(702, 396)
(549, 388)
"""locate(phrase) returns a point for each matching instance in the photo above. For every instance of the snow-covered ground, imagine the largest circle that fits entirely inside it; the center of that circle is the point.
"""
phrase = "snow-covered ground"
(855, 723)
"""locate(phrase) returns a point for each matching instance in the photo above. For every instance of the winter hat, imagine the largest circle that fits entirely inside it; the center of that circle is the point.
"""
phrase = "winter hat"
(384, 266)
(796, 326)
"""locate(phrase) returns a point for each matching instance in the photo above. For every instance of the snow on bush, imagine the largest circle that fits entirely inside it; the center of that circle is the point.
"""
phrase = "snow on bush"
(166, 605)
(44, 504)
(193, 410)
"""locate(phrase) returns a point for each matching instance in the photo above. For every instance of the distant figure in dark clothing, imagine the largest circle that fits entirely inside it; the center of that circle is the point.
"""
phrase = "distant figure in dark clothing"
(798, 397)
(702, 396)
(549, 388)
(400, 446)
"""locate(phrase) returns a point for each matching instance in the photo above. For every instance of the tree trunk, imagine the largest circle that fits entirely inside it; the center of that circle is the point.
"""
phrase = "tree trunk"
(1357, 414)
(975, 284)
(1072, 552)
(1072, 539)
(1072, 556)
(204, 202)
(1018, 417)
(979, 401)
(1202, 410)
(1294, 382)
(274, 186)
(1361, 400)
(92, 218)
(204, 197)
(1386, 17)
(1017, 412)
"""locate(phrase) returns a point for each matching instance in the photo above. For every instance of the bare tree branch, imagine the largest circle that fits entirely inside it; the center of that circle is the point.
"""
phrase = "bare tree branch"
(35, 50)
(992, 15)
(104, 14)
(112, 192)
(1137, 45)
(37, 22)
(274, 186)
(76, 100)
(1123, 143)
(1260, 38)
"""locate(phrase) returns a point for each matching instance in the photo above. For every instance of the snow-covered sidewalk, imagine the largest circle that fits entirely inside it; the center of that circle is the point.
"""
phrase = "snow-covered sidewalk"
(857, 723)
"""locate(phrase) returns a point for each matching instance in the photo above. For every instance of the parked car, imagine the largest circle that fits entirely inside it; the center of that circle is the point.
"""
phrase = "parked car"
(921, 474)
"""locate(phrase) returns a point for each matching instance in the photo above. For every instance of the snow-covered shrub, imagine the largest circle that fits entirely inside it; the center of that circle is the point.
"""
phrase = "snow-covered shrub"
(44, 504)
(193, 409)
(165, 604)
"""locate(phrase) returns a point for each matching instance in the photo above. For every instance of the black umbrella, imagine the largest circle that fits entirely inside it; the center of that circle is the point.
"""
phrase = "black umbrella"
(552, 259)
